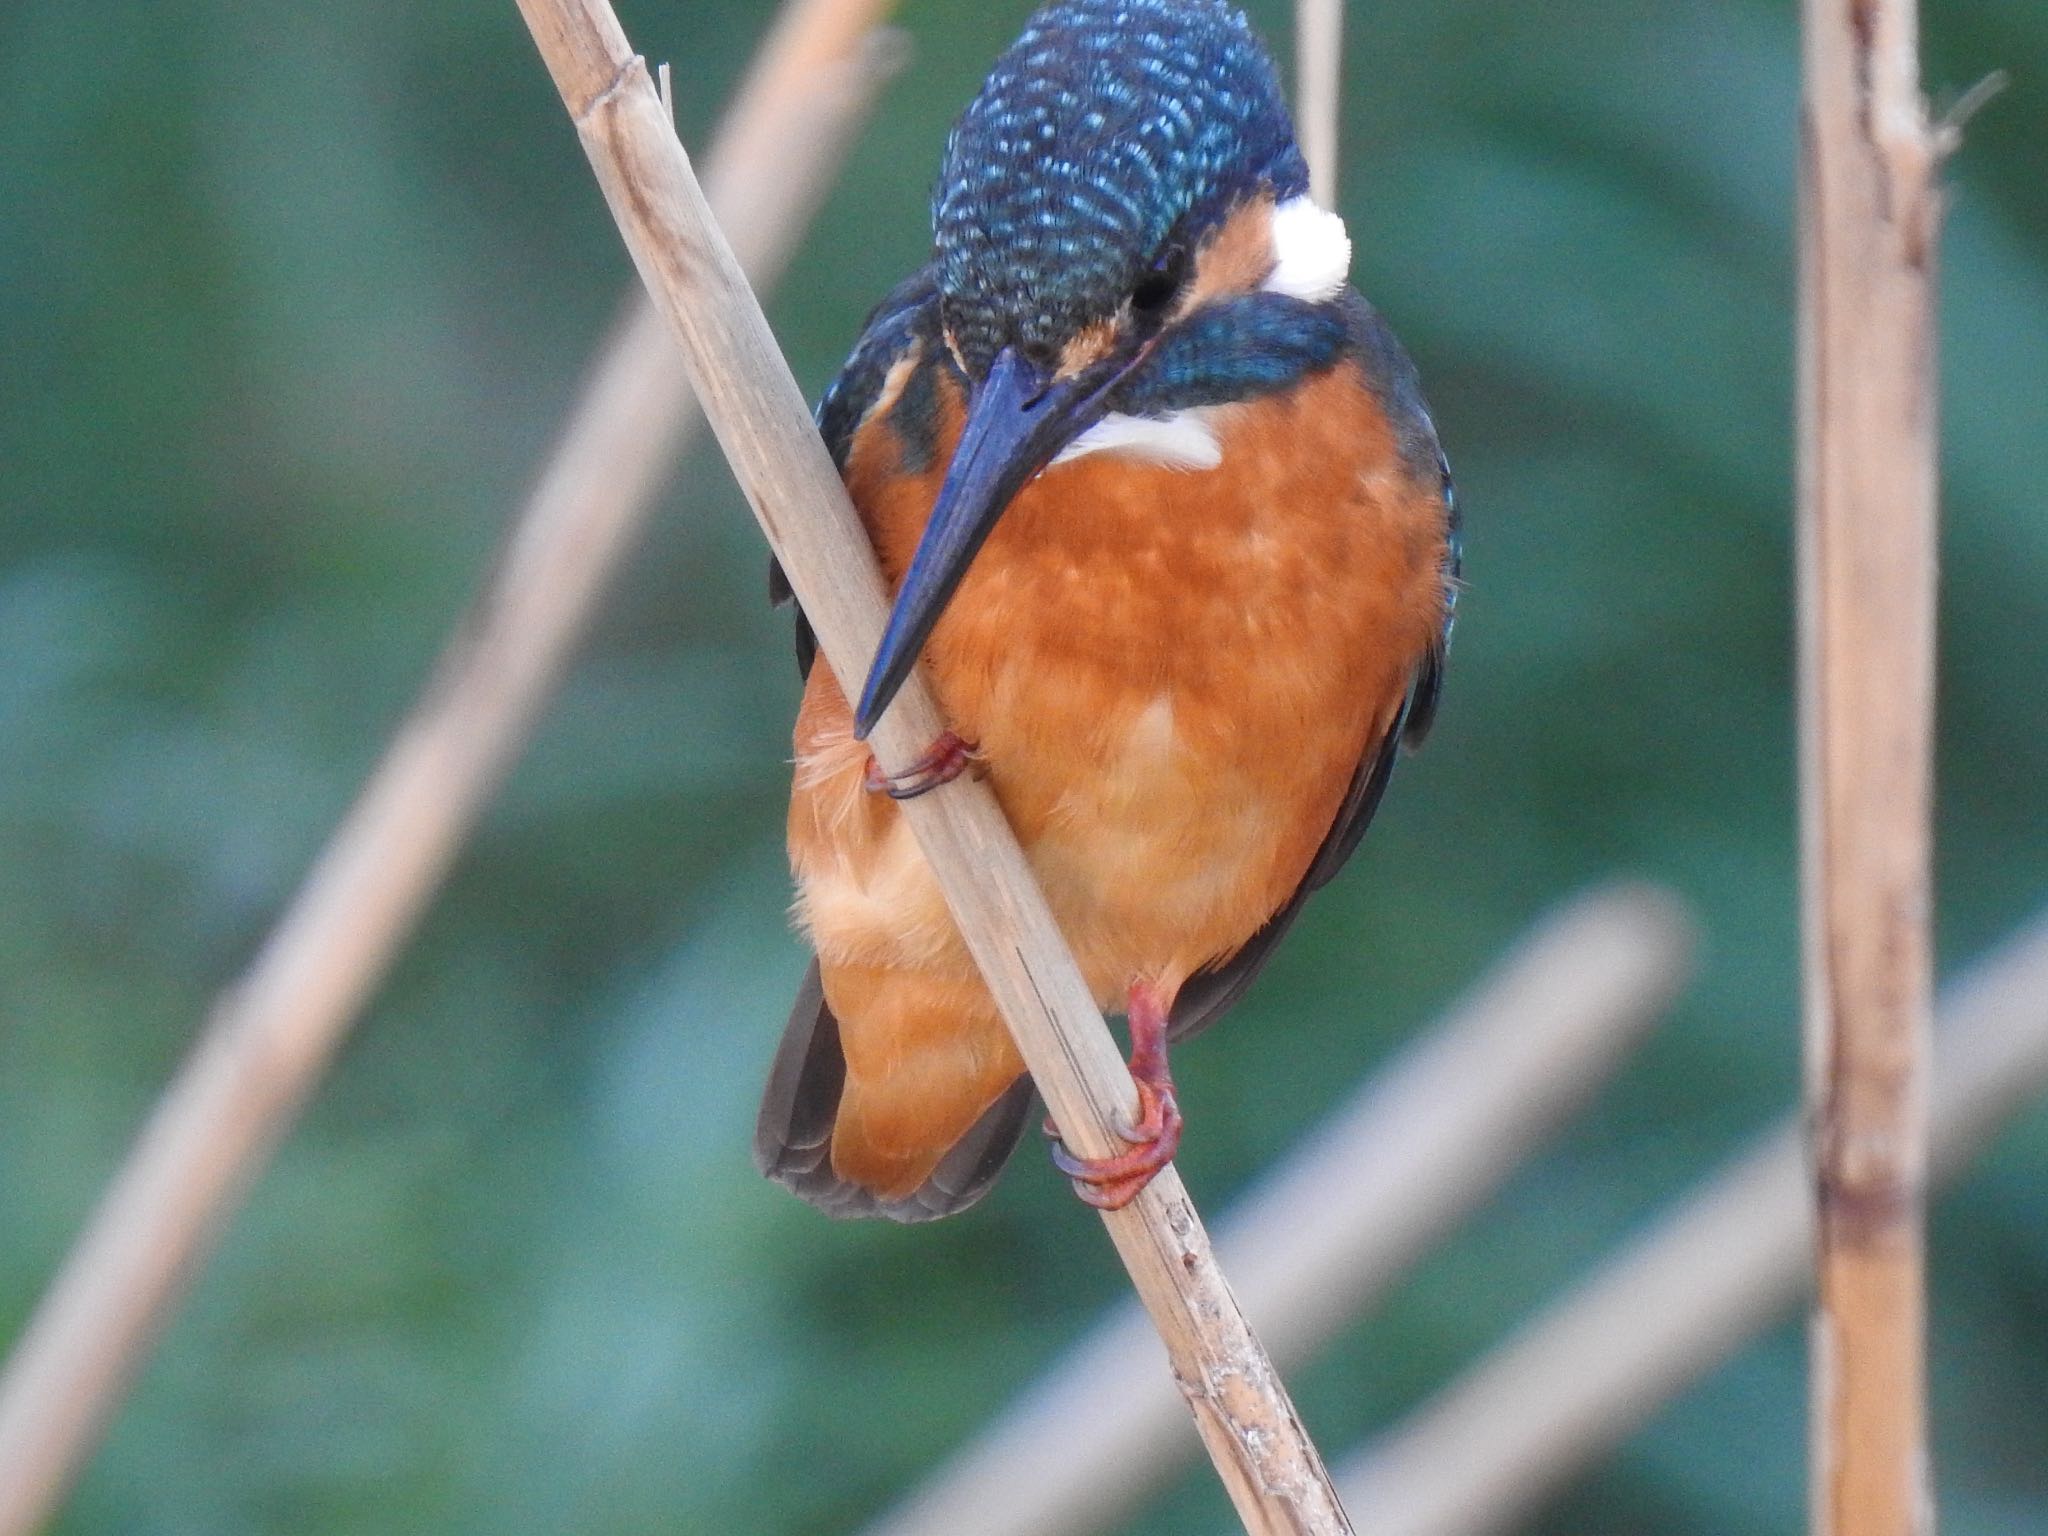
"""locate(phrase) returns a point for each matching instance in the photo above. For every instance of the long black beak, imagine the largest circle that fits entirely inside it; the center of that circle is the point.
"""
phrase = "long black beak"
(1018, 418)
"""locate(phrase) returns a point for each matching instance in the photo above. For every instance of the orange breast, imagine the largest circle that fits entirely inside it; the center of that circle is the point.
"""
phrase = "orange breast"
(1172, 676)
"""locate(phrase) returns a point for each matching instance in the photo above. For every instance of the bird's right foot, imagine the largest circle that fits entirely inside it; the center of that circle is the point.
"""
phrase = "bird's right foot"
(1111, 1183)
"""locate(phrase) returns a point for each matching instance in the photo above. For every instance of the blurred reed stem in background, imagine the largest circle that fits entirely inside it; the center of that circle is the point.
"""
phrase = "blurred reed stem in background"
(273, 1032)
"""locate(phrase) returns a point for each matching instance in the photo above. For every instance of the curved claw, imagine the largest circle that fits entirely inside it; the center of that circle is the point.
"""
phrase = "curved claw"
(942, 762)
(1112, 1197)
(1154, 1107)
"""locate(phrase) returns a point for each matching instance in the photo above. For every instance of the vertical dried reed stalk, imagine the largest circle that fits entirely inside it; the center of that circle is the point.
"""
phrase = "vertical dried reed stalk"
(1870, 218)
(1319, 74)
(272, 1033)
(1272, 1471)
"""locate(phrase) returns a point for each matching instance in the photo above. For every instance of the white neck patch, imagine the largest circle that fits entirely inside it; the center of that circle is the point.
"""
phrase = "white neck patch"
(1184, 440)
(1311, 251)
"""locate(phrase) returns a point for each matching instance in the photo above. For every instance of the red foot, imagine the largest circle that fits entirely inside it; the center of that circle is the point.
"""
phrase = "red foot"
(943, 762)
(1111, 1183)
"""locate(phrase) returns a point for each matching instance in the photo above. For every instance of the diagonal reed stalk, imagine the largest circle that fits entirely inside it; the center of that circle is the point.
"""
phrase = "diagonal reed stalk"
(1718, 1268)
(1870, 223)
(272, 1033)
(1273, 1474)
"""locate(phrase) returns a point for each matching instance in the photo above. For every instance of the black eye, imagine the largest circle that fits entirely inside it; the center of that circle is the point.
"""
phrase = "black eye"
(1159, 287)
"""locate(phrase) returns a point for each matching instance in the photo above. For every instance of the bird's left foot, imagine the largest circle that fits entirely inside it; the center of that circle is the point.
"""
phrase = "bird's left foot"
(1111, 1183)
(943, 762)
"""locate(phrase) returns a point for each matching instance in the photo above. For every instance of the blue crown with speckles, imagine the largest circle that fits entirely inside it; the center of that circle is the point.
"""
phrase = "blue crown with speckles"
(1106, 131)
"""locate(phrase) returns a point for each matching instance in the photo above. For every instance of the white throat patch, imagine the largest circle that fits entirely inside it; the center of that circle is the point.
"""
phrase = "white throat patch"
(1184, 440)
(1311, 251)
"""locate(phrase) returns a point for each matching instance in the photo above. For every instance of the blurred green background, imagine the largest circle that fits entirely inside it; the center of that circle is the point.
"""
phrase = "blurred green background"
(291, 297)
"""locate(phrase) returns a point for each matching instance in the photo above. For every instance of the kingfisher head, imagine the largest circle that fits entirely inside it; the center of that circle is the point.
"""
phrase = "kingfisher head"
(1123, 240)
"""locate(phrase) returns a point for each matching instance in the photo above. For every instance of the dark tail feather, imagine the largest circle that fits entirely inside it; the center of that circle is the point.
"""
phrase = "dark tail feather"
(793, 1133)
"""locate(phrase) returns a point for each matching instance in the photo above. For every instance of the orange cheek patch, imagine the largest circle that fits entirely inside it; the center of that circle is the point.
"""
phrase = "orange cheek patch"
(1238, 257)
(1091, 346)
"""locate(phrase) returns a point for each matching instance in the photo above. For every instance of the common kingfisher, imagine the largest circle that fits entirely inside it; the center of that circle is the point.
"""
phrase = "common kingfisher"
(1164, 513)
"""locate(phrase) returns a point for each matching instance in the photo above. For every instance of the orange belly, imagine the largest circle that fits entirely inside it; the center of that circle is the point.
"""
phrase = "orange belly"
(1171, 677)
